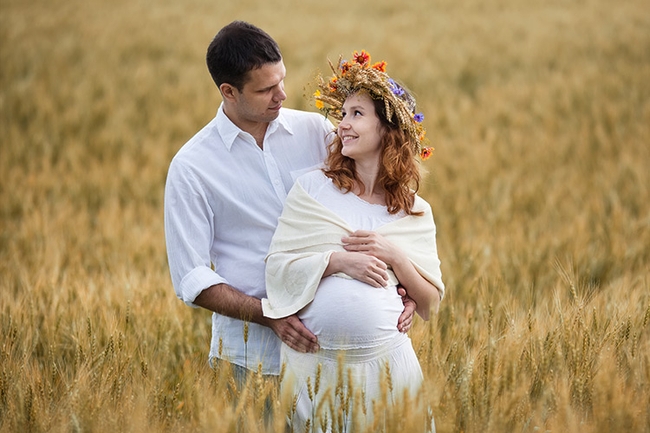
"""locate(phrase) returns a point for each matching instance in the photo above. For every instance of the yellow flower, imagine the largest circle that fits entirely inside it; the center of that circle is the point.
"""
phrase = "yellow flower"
(318, 103)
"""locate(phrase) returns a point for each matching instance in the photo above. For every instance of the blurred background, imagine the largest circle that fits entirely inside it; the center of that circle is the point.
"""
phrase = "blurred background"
(539, 112)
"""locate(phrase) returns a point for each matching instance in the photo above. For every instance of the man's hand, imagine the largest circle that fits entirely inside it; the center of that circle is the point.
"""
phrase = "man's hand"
(406, 318)
(294, 334)
(230, 302)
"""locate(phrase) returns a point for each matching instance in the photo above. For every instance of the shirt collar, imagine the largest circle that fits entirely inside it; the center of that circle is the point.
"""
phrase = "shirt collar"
(229, 131)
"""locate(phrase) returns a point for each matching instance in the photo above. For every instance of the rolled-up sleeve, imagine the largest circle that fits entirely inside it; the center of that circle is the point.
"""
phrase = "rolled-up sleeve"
(189, 229)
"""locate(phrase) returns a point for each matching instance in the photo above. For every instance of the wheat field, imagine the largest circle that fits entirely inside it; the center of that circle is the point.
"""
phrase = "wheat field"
(540, 184)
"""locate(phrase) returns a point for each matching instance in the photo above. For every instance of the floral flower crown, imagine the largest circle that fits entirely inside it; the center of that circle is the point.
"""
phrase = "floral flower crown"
(359, 74)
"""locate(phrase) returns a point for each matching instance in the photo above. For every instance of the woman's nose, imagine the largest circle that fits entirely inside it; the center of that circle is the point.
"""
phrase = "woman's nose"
(343, 126)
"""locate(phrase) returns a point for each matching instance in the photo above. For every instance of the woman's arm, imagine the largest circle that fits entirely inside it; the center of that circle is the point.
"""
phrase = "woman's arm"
(359, 266)
(424, 293)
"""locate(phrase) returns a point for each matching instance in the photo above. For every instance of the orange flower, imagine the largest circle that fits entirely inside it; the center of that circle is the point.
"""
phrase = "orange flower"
(426, 153)
(361, 58)
(380, 66)
(345, 67)
(333, 83)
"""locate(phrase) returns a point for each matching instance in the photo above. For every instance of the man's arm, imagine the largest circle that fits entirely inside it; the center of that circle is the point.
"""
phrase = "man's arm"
(228, 301)
(188, 220)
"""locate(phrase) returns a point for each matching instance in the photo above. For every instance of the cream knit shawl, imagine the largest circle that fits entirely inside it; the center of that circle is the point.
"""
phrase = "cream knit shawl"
(308, 234)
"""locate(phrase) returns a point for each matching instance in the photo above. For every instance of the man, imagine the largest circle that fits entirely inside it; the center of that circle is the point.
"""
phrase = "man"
(225, 191)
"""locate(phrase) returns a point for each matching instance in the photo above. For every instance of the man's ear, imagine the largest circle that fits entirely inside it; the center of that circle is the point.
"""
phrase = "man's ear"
(228, 92)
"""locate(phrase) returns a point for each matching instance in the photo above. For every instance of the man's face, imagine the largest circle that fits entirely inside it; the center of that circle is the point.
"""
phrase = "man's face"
(260, 100)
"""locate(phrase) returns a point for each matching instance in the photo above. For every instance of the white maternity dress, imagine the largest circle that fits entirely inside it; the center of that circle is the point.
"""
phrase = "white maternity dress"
(363, 357)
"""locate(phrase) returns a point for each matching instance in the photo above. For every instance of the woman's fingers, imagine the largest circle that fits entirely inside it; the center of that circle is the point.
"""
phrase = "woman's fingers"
(378, 276)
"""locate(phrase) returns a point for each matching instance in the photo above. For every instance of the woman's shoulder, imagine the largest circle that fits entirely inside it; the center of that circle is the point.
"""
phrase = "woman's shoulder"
(421, 205)
(312, 179)
(317, 185)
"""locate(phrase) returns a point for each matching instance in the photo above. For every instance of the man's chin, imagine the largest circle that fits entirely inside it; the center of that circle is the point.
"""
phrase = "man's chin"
(272, 114)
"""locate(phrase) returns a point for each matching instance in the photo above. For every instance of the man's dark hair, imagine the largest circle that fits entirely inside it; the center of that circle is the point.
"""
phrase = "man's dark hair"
(237, 49)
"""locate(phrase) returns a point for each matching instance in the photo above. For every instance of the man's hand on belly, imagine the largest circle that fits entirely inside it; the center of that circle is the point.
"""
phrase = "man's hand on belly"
(294, 334)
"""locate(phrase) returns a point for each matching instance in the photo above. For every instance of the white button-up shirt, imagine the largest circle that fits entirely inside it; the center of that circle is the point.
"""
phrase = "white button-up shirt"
(222, 200)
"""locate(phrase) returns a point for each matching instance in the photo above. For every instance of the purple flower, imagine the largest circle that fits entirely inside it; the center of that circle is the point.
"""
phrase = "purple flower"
(395, 88)
(418, 117)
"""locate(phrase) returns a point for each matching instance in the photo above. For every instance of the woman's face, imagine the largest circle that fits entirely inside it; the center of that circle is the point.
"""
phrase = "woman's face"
(360, 129)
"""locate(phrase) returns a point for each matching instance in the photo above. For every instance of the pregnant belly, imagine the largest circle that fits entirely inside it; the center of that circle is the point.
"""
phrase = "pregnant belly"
(348, 314)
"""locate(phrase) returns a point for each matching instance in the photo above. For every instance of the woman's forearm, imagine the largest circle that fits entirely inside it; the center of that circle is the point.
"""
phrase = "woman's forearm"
(335, 264)
(424, 293)
(362, 267)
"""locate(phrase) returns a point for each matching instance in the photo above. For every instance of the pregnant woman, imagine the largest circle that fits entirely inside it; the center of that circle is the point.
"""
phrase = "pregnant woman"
(348, 235)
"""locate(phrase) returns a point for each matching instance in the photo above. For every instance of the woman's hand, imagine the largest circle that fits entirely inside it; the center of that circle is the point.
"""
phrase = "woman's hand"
(425, 294)
(373, 244)
(362, 267)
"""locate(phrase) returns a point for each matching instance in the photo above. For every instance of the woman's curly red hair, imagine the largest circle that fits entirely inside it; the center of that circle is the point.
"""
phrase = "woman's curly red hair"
(399, 174)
